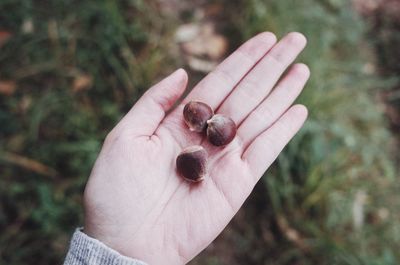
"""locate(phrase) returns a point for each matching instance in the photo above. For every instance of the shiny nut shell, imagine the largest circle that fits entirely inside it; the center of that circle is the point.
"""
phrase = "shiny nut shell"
(221, 130)
(196, 114)
(191, 163)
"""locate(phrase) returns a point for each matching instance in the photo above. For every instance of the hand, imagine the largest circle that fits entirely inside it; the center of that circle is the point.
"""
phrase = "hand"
(134, 200)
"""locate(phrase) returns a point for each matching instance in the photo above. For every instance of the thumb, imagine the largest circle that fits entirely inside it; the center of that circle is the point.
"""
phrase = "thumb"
(150, 109)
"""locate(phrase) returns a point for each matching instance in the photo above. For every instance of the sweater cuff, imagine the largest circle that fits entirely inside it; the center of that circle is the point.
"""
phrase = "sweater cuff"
(86, 250)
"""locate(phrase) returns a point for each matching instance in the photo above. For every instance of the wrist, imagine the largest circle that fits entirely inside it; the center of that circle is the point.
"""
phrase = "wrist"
(140, 246)
(87, 250)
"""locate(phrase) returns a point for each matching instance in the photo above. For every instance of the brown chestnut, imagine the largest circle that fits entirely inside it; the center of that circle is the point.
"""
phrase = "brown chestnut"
(221, 130)
(196, 114)
(191, 163)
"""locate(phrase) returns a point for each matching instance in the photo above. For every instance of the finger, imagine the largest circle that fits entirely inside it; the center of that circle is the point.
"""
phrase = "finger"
(217, 85)
(258, 83)
(266, 147)
(149, 111)
(280, 99)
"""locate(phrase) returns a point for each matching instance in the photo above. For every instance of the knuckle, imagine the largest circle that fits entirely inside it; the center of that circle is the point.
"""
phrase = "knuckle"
(270, 144)
(112, 137)
(246, 55)
(109, 138)
(223, 76)
(249, 88)
(277, 59)
(226, 76)
(265, 112)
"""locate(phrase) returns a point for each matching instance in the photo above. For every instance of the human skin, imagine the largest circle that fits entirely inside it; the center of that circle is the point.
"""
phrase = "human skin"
(136, 203)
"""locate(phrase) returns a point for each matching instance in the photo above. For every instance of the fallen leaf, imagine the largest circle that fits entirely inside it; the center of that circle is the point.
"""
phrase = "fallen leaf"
(186, 32)
(214, 10)
(202, 41)
(7, 87)
(4, 37)
(173, 7)
(52, 30)
(29, 164)
(27, 26)
(216, 46)
(25, 103)
(201, 65)
(82, 82)
(292, 234)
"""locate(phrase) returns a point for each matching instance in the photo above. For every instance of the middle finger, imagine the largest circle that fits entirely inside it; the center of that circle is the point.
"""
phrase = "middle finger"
(261, 79)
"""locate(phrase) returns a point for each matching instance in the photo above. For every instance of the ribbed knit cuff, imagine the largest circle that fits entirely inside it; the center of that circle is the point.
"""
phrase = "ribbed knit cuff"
(85, 250)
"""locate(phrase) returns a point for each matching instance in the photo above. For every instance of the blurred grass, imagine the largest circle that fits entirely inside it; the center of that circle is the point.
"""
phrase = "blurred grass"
(339, 163)
(301, 213)
(343, 150)
(123, 50)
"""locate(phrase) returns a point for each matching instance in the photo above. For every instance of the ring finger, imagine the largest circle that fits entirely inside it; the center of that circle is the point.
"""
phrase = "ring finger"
(257, 84)
(280, 99)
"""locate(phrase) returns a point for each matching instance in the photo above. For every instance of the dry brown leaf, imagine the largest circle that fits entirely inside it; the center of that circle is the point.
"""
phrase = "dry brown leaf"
(202, 41)
(7, 87)
(366, 6)
(217, 45)
(29, 164)
(214, 10)
(187, 32)
(27, 26)
(292, 234)
(4, 37)
(201, 65)
(52, 30)
(25, 103)
(82, 82)
(369, 7)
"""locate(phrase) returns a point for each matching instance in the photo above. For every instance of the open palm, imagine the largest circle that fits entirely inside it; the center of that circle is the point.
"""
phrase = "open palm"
(136, 203)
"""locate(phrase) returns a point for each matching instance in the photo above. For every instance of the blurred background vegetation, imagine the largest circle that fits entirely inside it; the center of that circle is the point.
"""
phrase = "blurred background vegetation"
(70, 69)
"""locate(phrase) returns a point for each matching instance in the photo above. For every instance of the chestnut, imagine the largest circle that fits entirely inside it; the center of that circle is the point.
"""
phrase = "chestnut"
(191, 163)
(196, 114)
(221, 130)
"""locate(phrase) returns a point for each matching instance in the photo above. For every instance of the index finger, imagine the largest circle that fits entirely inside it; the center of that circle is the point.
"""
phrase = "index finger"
(218, 84)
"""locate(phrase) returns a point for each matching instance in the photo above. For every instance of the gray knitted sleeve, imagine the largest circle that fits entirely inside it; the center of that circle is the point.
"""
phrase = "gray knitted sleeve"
(85, 250)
